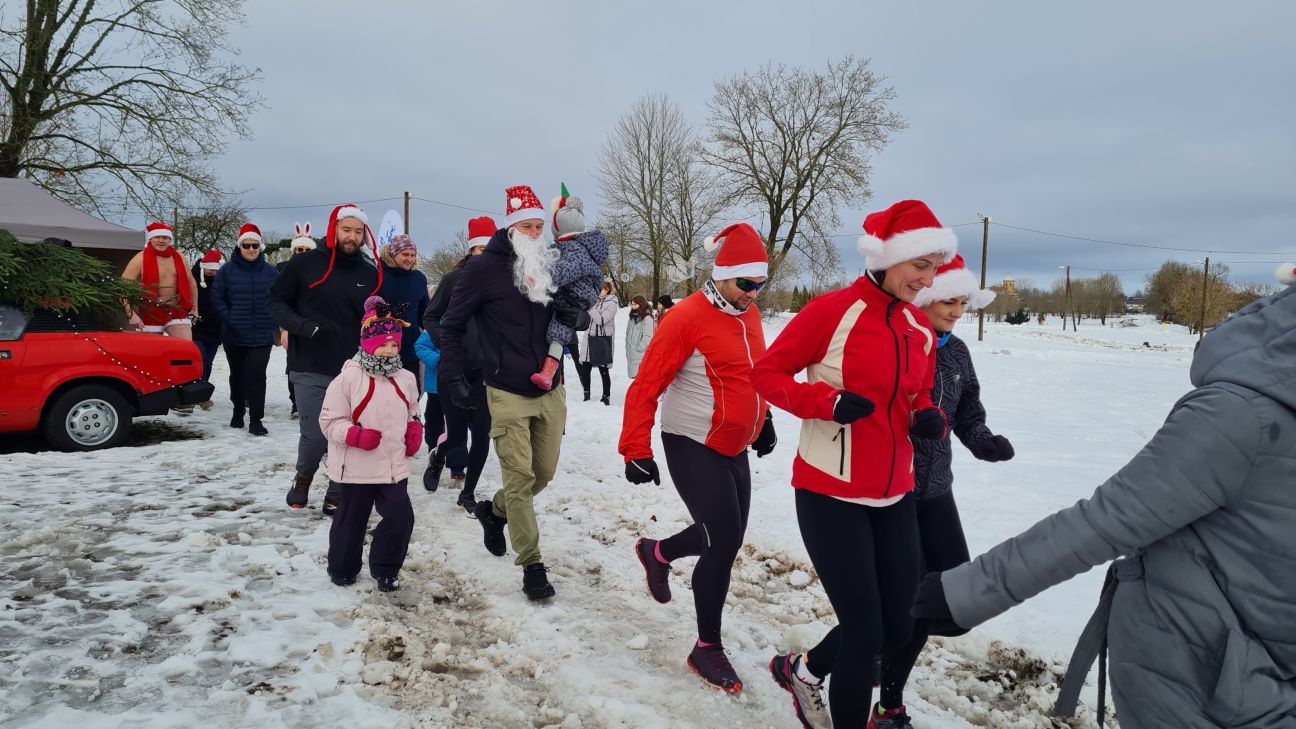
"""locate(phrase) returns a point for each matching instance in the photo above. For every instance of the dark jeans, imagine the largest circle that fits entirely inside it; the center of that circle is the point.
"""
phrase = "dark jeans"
(390, 538)
(247, 377)
(868, 561)
(717, 491)
(208, 352)
(459, 424)
(585, 369)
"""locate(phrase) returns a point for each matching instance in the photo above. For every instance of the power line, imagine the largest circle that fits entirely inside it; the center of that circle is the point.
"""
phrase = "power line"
(452, 205)
(1144, 245)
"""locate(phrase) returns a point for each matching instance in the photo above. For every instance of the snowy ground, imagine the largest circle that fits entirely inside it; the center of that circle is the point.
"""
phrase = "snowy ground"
(168, 585)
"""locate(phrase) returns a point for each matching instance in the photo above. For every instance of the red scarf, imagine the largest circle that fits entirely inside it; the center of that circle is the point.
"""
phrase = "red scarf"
(150, 274)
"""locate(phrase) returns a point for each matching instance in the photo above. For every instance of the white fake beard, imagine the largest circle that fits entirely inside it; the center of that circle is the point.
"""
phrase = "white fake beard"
(533, 266)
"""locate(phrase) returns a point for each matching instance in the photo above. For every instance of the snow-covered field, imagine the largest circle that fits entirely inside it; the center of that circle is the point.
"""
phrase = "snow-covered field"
(169, 585)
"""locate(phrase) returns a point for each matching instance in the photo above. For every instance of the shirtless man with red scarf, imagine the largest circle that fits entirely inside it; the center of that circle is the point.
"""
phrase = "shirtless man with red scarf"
(171, 293)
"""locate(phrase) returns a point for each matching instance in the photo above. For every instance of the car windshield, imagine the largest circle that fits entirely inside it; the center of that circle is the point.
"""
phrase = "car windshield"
(12, 323)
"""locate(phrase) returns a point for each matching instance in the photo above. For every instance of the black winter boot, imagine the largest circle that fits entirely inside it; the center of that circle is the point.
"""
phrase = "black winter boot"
(535, 583)
(300, 491)
(492, 528)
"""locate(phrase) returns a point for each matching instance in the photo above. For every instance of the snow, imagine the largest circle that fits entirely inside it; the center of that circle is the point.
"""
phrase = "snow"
(169, 585)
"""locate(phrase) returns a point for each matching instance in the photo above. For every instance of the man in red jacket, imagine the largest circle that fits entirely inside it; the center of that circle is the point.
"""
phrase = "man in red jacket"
(701, 358)
(870, 361)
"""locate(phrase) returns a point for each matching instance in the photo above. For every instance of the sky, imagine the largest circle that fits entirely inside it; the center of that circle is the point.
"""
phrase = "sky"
(1152, 123)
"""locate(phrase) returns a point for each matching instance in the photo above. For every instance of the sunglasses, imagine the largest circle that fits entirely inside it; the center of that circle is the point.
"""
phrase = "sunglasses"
(249, 246)
(749, 285)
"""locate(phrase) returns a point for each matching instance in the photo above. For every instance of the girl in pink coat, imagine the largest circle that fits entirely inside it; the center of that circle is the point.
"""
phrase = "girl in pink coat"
(370, 418)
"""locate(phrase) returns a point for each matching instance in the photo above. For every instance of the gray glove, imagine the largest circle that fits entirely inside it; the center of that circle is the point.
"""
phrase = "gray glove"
(570, 218)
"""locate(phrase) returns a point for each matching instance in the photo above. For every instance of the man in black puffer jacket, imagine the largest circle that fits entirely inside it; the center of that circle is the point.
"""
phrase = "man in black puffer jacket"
(319, 300)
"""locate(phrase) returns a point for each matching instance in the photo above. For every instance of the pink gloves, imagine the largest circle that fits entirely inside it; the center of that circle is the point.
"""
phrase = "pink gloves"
(413, 438)
(364, 438)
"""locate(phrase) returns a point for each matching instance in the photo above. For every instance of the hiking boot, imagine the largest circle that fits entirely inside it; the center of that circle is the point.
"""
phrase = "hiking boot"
(331, 504)
(606, 399)
(468, 502)
(893, 719)
(586, 396)
(388, 584)
(300, 491)
(655, 571)
(432, 476)
(256, 428)
(535, 582)
(492, 528)
(341, 580)
(807, 698)
(712, 663)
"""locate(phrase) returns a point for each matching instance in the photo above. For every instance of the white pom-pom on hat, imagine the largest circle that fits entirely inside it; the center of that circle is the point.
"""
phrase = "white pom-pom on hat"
(1286, 273)
(710, 243)
(515, 203)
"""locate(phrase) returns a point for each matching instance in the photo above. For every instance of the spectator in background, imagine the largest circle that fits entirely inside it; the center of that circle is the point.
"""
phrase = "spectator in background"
(240, 294)
(301, 242)
(404, 284)
(207, 330)
(638, 333)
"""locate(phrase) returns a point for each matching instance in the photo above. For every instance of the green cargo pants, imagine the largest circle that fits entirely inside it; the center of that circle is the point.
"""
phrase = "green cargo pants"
(528, 434)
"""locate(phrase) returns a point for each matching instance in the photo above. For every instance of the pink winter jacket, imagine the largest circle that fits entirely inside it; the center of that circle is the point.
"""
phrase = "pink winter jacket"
(386, 412)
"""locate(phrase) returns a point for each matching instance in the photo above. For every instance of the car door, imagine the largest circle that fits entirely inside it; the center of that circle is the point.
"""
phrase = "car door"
(15, 405)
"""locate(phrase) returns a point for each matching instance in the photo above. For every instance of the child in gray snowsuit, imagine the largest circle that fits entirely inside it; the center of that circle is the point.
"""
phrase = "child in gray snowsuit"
(577, 276)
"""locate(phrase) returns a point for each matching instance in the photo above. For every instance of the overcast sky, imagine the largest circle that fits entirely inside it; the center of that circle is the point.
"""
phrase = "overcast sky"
(1147, 122)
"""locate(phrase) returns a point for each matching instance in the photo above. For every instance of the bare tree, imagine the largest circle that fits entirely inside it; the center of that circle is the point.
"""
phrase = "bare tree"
(127, 98)
(445, 256)
(693, 206)
(214, 226)
(639, 172)
(795, 144)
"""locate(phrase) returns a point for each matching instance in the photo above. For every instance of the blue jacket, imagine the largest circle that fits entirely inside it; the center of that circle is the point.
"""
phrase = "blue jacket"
(957, 393)
(239, 294)
(406, 287)
(430, 356)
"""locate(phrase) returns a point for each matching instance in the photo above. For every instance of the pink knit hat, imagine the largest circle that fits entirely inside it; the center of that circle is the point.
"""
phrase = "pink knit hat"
(381, 324)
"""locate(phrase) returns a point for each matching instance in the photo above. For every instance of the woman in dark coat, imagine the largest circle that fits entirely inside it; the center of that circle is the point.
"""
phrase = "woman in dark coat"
(239, 294)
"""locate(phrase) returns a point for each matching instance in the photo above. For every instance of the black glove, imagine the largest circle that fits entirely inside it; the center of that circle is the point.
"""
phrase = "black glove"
(642, 470)
(930, 604)
(765, 442)
(994, 449)
(851, 407)
(461, 395)
(928, 423)
(571, 316)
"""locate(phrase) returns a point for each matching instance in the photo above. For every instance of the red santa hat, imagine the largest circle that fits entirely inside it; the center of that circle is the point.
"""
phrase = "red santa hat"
(342, 212)
(952, 281)
(249, 232)
(742, 253)
(211, 261)
(480, 231)
(155, 229)
(521, 204)
(902, 232)
(1286, 273)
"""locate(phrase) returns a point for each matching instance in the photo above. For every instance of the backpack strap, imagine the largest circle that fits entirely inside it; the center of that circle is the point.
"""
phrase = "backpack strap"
(398, 391)
(364, 403)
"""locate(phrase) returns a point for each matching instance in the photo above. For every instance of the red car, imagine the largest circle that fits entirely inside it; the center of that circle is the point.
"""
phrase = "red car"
(80, 387)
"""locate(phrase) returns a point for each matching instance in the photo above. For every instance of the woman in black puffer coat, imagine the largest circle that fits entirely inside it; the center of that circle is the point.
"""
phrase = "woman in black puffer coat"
(239, 294)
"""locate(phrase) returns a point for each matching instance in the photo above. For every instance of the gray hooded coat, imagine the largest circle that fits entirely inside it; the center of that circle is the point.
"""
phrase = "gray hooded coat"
(1202, 628)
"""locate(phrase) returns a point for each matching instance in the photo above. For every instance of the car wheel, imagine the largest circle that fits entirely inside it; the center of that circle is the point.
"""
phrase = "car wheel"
(87, 418)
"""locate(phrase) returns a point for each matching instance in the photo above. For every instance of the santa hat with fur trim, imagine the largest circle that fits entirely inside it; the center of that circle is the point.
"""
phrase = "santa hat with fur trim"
(521, 204)
(155, 229)
(480, 231)
(211, 261)
(952, 281)
(902, 232)
(249, 232)
(742, 253)
(1286, 273)
(342, 212)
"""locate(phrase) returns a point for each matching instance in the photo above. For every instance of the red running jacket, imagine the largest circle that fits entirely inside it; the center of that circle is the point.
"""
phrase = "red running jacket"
(864, 340)
(702, 359)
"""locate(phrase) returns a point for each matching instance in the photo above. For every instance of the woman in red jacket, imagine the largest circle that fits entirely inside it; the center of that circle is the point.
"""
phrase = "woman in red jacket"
(701, 357)
(870, 361)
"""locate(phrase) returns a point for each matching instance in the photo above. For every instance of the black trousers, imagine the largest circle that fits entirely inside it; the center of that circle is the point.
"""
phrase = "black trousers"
(390, 538)
(459, 424)
(717, 491)
(433, 421)
(869, 563)
(584, 370)
(247, 378)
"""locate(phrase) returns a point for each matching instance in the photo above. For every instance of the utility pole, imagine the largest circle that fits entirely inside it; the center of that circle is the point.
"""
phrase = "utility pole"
(407, 198)
(1067, 304)
(985, 251)
(1201, 323)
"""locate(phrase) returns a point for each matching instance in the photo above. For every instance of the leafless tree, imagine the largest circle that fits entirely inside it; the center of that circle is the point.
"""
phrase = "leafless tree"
(795, 144)
(445, 256)
(694, 204)
(119, 105)
(214, 226)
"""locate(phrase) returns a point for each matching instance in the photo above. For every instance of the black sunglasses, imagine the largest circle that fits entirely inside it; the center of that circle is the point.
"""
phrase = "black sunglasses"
(249, 246)
(749, 285)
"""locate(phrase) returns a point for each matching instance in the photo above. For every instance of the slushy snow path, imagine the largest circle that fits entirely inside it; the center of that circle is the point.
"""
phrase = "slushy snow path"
(169, 585)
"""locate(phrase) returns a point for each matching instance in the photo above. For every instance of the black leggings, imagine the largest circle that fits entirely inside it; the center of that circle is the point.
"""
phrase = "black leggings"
(717, 491)
(585, 369)
(433, 421)
(459, 423)
(944, 547)
(247, 378)
(868, 561)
